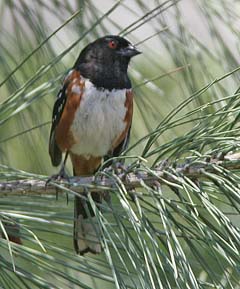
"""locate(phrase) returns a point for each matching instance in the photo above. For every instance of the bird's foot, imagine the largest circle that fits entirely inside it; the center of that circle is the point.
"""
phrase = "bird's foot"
(60, 176)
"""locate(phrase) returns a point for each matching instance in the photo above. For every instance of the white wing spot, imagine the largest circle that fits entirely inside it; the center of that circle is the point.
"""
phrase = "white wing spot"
(60, 107)
(59, 94)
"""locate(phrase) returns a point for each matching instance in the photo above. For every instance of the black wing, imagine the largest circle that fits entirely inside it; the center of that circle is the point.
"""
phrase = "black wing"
(54, 150)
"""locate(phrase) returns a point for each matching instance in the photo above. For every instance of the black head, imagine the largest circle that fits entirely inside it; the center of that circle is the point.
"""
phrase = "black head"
(105, 62)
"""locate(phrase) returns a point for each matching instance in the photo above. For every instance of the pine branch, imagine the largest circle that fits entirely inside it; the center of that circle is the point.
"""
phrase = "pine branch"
(164, 173)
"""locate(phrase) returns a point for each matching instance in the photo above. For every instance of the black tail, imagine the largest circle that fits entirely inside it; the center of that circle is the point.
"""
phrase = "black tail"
(87, 233)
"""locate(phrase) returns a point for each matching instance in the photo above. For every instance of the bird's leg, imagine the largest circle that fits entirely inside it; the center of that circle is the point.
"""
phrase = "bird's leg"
(61, 175)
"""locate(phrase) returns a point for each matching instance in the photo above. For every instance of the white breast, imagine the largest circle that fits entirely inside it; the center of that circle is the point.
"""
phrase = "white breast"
(98, 121)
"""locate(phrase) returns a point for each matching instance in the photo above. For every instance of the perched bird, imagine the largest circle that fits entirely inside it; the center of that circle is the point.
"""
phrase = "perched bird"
(91, 121)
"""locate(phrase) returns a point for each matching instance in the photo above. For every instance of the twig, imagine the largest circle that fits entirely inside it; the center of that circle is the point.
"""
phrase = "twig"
(194, 170)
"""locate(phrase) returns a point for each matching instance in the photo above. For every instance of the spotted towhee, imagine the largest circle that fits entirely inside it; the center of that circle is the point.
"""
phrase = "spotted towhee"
(91, 120)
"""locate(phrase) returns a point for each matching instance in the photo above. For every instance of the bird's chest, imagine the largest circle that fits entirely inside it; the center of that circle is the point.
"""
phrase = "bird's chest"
(98, 121)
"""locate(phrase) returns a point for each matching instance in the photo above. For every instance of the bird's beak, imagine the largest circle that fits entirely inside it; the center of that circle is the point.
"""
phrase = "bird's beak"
(129, 51)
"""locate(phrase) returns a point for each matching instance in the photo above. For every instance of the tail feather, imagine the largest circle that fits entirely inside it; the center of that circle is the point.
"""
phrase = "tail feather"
(87, 232)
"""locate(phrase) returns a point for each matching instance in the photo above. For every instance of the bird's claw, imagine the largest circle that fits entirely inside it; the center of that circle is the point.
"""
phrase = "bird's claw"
(61, 176)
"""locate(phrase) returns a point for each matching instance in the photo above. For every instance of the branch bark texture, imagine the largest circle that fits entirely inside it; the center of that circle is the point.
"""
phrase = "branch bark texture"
(164, 174)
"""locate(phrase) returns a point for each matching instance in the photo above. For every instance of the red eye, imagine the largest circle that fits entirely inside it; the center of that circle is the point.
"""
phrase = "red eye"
(112, 44)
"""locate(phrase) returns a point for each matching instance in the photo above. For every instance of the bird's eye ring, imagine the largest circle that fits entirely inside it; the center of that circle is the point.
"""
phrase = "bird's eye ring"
(112, 44)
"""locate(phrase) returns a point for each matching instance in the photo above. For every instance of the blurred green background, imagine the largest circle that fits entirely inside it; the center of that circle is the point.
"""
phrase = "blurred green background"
(186, 45)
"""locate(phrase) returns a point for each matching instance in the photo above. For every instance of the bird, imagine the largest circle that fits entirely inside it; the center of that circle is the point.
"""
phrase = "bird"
(91, 122)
